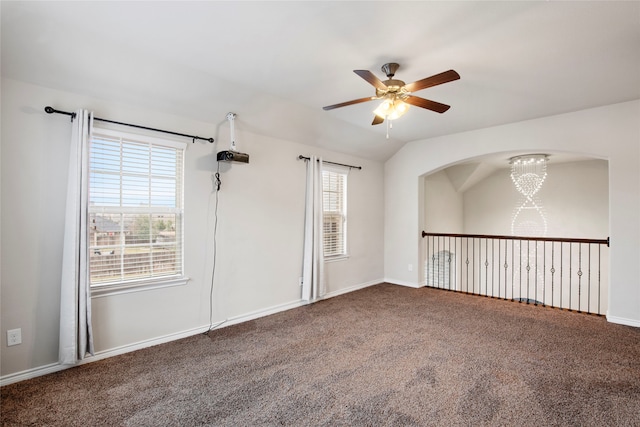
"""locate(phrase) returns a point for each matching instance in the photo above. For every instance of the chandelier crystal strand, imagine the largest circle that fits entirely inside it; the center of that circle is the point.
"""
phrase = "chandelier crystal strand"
(528, 173)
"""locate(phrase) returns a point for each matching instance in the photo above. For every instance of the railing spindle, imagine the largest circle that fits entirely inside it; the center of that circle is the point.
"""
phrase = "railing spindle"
(561, 275)
(512, 268)
(553, 271)
(579, 277)
(570, 276)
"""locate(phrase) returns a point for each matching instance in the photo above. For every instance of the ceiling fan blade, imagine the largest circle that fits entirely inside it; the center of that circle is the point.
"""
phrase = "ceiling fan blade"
(426, 103)
(371, 78)
(377, 120)
(438, 79)
(344, 104)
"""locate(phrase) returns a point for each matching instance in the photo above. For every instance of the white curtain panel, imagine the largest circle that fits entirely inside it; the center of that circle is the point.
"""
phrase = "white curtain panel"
(76, 337)
(313, 286)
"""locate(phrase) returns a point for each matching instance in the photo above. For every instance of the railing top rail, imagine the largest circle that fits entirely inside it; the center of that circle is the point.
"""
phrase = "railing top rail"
(540, 239)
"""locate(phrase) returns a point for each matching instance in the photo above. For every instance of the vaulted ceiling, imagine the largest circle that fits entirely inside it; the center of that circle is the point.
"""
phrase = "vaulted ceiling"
(276, 64)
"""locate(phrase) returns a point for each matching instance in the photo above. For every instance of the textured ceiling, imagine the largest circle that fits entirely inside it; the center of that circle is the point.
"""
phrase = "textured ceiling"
(276, 64)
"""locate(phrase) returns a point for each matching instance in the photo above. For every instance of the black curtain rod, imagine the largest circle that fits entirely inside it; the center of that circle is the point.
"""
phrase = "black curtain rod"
(51, 110)
(301, 157)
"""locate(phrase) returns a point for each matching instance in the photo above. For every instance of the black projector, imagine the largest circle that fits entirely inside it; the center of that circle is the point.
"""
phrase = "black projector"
(233, 156)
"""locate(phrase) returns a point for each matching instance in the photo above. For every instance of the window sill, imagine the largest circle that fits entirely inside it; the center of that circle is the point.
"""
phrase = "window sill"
(128, 287)
(336, 258)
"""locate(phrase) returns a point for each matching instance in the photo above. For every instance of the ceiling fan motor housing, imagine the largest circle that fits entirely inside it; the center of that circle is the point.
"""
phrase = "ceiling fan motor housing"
(394, 87)
(390, 69)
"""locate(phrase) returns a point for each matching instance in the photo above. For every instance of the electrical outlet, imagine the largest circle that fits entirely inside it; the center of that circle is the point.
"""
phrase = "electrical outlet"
(410, 267)
(14, 337)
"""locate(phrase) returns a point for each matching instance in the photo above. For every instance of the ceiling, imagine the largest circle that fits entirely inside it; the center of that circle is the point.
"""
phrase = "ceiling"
(276, 64)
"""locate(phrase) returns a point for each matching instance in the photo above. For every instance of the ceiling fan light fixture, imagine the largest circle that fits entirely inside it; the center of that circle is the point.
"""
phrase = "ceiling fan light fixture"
(401, 107)
(383, 109)
(391, 109)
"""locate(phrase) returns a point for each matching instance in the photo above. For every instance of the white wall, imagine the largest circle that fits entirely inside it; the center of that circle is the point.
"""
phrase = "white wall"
(443, 205)
(575, 198)
(611, 132)
(259, 240)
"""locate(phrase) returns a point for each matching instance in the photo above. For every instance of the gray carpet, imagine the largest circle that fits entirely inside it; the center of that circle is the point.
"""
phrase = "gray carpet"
(382, 356)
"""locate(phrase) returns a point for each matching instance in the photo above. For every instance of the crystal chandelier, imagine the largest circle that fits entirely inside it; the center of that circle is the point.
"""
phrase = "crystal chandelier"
(528, 173)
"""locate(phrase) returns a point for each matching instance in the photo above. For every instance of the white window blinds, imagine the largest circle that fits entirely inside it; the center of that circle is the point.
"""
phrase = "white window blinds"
(334, 187)
(135, 208)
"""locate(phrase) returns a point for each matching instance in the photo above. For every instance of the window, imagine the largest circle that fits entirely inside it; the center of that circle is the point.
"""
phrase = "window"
(334, 202)
(135, 211)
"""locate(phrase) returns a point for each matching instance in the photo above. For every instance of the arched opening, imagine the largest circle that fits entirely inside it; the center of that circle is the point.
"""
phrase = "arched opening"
(479, 197)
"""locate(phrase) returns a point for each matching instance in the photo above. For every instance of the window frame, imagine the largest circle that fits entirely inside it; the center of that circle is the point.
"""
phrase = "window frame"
(344, 173)
(150, 282)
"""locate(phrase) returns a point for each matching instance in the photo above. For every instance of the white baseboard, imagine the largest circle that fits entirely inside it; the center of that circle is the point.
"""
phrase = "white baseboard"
(293, 304)
(403, 283)
(623, 321)
(55, 367)
(260, 313)
(31, 373)
(144, 344)
(353, 288)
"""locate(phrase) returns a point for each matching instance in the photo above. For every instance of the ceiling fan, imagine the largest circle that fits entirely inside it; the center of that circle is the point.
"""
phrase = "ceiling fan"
(396, 94)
